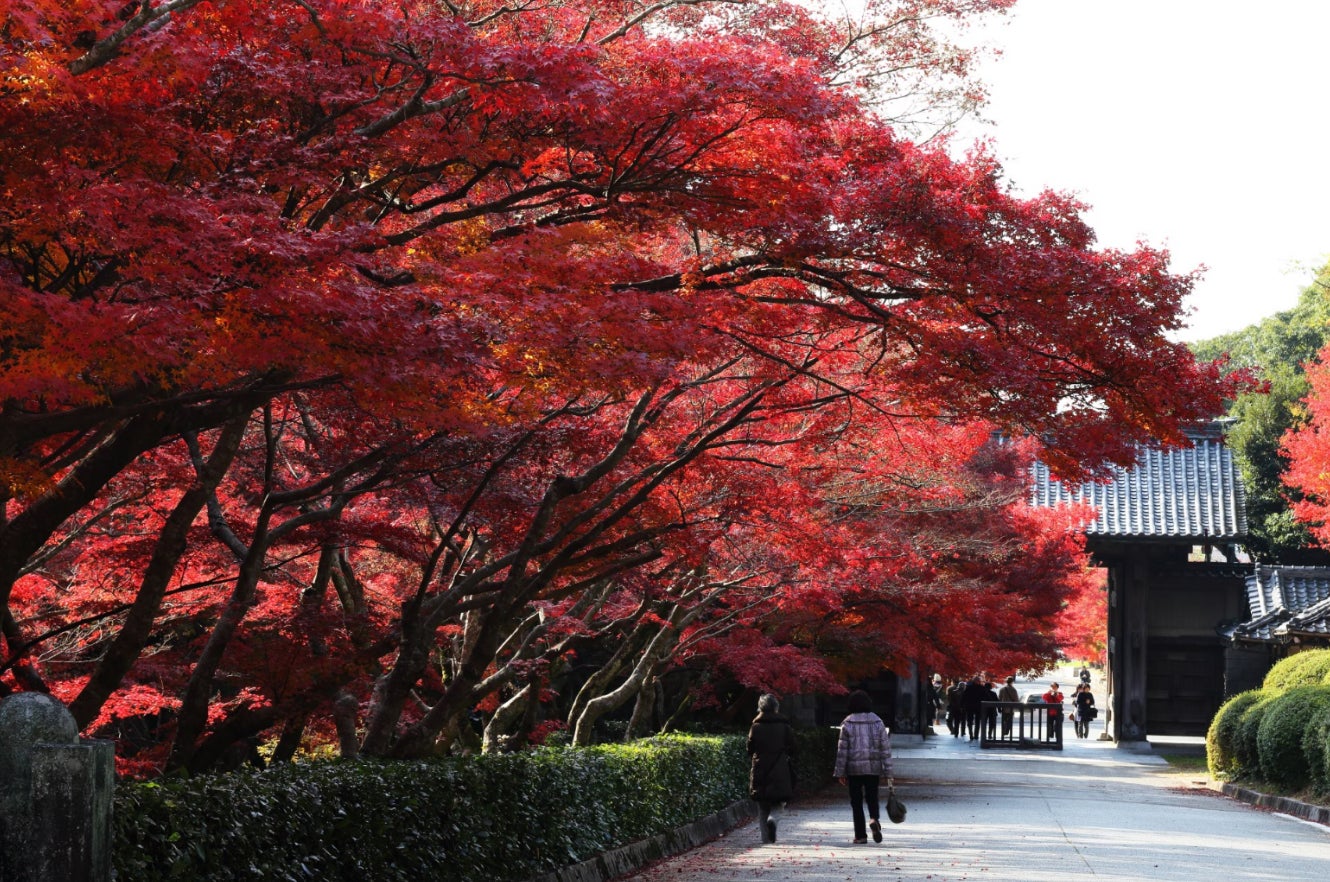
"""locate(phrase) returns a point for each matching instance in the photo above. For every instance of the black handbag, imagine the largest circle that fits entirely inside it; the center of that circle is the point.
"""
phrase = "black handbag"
(895, 808)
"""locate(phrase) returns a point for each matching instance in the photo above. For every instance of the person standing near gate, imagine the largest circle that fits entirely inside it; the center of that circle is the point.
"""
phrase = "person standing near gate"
(863, 758)
(990, 709)
(972, 703)
(1053, 698)
(771, 780)
(1008, 693)
(1085, 709)
(955, 707)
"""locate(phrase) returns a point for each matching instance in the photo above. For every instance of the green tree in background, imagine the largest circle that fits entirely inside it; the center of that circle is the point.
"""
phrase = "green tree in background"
(1277, 348)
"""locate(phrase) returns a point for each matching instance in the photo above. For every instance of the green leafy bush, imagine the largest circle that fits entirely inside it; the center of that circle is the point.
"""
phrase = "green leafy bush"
(1316, 748)
(1220, 748)
(1279, 736)
(493, 817)
(815, 758)
(1246, 754)
(1307, 668)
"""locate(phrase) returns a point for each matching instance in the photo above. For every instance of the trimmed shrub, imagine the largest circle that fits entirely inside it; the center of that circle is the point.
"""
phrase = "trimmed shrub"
(1307, 668)
(815, 759)
(494, 818)
(1220, 749)
(1280, 734)
(1246, 754)
(1316, 749)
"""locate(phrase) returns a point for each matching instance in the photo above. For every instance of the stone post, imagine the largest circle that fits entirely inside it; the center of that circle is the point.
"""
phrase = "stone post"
(55, 795)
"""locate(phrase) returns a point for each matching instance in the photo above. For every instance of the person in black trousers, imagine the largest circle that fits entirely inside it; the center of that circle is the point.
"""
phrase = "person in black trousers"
(972, 703)
(955, 707)
(990, 713)
(863, 758)
(1084, 701)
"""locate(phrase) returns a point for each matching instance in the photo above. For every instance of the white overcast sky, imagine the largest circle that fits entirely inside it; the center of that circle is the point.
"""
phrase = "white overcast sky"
(1196, 125)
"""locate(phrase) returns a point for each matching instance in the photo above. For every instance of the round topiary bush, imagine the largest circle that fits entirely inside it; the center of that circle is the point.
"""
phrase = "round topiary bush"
(1316, 749)
(1307, 668)
(1280, 734)
(1219, 740)
(1315, 668)
(1246, 755)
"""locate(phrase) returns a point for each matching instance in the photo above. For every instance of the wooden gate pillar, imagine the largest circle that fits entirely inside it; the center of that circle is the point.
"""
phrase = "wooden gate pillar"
(1129, 603)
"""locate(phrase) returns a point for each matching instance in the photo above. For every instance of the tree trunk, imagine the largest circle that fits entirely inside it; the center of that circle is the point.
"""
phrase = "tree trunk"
(193, 715)
(598, 707)
(229, 741)
(601, 679)
(644, 709)
(459, 697)
(136, 630)
(505, 719)
(292, 731)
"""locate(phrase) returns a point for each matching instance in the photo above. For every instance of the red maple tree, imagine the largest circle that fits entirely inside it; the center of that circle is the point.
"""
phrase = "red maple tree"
(1306, 448)
(357, 360)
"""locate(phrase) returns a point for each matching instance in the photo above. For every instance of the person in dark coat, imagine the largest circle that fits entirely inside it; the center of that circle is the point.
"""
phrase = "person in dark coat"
(771, 780)
(1084, 709)
(955, 709)
(990, 713)
(972, 703)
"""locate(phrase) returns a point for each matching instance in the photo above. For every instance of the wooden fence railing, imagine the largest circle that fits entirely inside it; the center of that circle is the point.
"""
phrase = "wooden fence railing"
(1021, 724)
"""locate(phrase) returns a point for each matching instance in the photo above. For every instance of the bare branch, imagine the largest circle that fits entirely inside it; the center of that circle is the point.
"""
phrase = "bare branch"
(105, 49)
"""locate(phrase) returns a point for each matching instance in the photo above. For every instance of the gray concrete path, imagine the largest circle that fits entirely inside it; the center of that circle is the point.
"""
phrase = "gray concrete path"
(1094, 810)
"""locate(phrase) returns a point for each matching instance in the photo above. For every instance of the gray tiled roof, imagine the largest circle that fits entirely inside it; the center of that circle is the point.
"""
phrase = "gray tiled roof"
(1190, 493)
(1286, 601)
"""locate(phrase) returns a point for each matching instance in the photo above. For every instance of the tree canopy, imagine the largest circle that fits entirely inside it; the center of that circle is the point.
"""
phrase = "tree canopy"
(362, 364)
(1277, 350)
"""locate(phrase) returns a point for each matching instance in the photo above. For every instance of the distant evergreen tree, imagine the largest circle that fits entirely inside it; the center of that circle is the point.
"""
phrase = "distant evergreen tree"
(1277, 348)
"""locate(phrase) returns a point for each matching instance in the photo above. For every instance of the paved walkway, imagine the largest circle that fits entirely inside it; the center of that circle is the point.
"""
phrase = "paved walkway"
(1093, 810)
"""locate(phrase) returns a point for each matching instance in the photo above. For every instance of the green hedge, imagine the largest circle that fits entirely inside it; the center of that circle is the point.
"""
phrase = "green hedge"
(493, 818)
(1221, 739)
(1308, 668)
(815, 760)
(1246, 753)
(1278, 734)
(1279, 737)
(1316, 749)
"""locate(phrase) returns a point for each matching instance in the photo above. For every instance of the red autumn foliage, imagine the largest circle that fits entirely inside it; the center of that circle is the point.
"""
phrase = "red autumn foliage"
(362, 363)
(1306, 447)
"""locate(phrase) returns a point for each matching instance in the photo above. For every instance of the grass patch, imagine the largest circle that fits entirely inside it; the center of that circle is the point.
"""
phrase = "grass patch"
(1183, 762)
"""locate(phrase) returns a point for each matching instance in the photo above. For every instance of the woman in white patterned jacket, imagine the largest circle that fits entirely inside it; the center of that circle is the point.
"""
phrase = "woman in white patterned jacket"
(863, 757)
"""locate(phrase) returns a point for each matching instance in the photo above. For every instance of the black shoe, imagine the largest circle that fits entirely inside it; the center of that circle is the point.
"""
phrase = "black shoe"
(877, 831)
(771, 831)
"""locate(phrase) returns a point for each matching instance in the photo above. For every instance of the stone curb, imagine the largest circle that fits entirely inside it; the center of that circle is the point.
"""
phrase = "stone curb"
(636, 855)
(1306, 811)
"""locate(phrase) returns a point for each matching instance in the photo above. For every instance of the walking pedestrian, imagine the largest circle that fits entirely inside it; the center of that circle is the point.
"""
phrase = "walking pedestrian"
(1008, 693)
(771, 779)
(1085, 710)
(863, 758)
